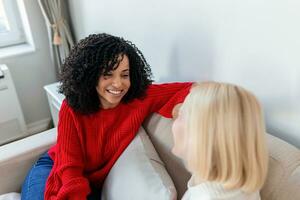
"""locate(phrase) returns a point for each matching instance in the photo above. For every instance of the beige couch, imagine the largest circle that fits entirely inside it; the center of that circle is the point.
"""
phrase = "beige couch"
(283, 182)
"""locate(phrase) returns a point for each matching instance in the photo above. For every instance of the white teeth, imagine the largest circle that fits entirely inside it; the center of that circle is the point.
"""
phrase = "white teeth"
(115, 91)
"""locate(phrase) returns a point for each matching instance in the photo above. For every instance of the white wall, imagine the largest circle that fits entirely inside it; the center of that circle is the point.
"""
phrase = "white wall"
(31, 71)
(254, 43)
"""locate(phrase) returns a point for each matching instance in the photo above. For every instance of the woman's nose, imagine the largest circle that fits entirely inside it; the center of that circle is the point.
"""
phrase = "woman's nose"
(117, 82)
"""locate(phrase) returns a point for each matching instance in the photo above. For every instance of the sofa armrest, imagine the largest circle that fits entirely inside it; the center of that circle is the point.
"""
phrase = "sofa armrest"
(16, 158)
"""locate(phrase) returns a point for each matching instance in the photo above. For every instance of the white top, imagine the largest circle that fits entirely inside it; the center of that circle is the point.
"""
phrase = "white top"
(215, 191)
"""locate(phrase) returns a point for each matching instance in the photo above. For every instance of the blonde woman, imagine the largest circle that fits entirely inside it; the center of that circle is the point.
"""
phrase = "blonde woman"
(220, 134)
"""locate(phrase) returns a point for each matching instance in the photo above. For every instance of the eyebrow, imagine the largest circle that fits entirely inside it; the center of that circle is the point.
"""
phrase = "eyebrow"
(125, 70)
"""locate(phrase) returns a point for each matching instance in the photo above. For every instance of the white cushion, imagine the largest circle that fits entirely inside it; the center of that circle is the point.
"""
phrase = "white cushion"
(139, 174)
(10, 196)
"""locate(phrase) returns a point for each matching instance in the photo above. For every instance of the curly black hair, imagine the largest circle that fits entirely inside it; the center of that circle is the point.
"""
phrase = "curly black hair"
(93, 56)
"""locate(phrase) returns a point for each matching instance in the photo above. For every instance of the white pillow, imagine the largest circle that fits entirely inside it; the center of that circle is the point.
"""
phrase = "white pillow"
(139, 174)
(10, 196)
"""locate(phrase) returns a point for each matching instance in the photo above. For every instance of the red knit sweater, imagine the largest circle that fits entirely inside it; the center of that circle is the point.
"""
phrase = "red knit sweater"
(88, 145)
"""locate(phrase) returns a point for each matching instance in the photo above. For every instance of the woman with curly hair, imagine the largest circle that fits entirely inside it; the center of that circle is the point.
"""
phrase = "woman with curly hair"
(108, 93)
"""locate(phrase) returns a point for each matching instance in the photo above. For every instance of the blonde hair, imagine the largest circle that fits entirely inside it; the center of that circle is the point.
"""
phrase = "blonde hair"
(225, 136)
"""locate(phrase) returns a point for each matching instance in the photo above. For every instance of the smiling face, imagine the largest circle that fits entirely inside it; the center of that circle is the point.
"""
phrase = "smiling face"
(112, 86)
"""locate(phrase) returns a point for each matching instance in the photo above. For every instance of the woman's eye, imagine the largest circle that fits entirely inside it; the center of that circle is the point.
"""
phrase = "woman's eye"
(126, 75)
(106, 76)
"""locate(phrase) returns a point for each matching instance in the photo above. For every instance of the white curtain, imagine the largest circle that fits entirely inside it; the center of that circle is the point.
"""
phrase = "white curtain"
(60, 36)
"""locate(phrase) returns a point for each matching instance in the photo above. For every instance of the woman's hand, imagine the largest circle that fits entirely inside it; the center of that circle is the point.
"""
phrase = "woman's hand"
(176, 110)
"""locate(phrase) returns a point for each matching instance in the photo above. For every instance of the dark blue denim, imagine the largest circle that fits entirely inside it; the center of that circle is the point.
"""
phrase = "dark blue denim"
(34, 185)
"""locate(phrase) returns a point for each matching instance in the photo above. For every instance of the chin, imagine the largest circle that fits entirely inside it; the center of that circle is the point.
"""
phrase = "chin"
(114, 101)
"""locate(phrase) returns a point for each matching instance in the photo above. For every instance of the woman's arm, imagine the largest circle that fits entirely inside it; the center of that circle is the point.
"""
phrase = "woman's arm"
(66, 180)
(164, 97)
(177, 106)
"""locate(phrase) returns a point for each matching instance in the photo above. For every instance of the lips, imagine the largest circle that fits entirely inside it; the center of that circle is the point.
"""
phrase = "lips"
(115, 92)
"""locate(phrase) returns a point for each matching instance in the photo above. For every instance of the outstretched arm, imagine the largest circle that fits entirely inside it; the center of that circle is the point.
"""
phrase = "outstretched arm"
(164, 97)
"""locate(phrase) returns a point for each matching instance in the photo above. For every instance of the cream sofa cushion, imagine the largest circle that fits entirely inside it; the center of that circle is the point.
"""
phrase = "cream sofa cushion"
(139, 174)
(283, 180)
(10, 196)
(159, 131)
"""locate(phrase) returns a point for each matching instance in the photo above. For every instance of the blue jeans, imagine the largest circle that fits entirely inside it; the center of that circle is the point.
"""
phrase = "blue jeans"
(34, 185)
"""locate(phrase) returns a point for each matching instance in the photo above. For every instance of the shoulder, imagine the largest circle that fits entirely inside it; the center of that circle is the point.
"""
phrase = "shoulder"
(67, 111)
(65, 108)
(215, 191)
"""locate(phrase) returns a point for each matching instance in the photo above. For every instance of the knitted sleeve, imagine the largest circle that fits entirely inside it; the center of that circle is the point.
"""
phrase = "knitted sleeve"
(163, 97)
(69, 161)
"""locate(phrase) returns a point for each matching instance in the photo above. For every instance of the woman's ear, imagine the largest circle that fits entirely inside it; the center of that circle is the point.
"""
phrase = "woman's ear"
(176, 110)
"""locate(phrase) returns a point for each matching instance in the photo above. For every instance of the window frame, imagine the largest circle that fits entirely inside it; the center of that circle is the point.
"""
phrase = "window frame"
(16, 34)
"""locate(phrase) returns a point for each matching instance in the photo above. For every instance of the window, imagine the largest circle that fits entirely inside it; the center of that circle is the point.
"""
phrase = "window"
(11, 28)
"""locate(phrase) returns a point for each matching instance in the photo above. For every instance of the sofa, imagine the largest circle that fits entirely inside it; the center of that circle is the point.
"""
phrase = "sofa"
(283, 180)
